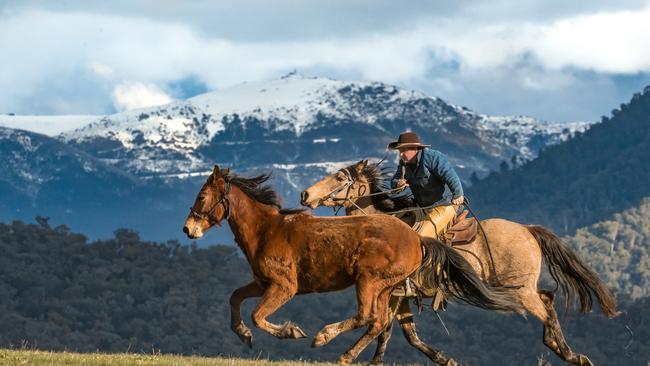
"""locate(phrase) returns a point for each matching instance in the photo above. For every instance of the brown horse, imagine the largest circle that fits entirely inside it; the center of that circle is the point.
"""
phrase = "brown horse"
(512, 259)
(292, 252)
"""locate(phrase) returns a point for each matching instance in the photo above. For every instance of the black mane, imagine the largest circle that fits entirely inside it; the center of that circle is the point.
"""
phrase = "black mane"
(383, 202)
(261, 193)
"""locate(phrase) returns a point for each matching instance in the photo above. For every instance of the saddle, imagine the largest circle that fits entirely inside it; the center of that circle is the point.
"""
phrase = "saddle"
(462, 232)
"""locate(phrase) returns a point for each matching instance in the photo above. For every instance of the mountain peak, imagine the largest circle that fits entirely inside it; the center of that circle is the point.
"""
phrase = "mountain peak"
(186, 136)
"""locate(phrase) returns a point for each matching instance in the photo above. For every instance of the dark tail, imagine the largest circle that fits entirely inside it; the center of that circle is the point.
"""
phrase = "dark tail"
(573, 277)
(450, 271)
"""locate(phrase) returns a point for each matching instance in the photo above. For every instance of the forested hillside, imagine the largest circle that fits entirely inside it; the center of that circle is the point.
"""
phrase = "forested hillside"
(619, 250)
(597, 173)
(57, 291)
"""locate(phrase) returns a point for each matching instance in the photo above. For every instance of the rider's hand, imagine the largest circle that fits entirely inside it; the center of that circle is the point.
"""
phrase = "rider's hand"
(401, 184)
(458, 200)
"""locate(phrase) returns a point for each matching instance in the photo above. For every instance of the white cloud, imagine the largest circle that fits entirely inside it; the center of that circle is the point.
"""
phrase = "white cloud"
(101, 70)
(616, 42)
(128, 96)
(55, 50)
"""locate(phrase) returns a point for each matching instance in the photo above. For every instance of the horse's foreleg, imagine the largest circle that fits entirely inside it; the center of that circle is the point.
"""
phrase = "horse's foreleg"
(276, 295)
(384, 336)
(553, 336)
(236, 323)
(406, 322)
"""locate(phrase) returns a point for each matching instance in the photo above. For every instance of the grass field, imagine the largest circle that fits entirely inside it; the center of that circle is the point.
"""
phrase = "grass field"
(28, 357)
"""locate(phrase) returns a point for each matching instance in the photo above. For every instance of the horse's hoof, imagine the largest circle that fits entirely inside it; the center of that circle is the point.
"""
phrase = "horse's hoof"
(584, 360)
(292, 331)
(344, 359)
(320, 340)
(451, 362)
(247, 338)
(296, 333)
(244, 334)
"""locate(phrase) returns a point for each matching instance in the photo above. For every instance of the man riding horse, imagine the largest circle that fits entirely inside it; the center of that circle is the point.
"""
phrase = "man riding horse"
(427, 172)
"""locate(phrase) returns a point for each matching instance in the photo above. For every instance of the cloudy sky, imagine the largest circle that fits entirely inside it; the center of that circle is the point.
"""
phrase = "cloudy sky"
(557, 60)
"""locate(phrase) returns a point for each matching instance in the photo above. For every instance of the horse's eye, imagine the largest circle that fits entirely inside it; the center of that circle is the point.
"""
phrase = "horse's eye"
(340, 178)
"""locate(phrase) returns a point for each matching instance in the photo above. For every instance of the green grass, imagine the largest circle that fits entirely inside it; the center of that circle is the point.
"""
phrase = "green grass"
(29, 357)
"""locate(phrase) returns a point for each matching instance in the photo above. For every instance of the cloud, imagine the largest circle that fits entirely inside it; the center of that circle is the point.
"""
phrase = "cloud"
(442, 53)
(101, 70)
(128, 96)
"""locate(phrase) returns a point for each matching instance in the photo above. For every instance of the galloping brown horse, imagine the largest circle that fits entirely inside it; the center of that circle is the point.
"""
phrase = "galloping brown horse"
(512, 259)
(291, 252)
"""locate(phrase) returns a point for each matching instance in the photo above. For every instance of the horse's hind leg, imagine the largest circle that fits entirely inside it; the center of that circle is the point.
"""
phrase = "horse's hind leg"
(236, 323)
(406, 322)
(553, 336)
(378, 323)
(367, 294)
(275, 295)
(384, 336)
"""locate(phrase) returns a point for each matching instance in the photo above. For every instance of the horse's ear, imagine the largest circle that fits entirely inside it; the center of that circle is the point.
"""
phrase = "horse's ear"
(225, 171)
(216, 174)
(362, 165)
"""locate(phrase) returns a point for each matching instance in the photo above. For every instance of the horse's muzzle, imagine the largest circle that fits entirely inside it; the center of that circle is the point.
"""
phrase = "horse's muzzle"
(191, 234)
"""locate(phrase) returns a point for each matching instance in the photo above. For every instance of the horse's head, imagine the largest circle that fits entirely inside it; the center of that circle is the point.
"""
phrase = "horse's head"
(335, 189)
(211, 205)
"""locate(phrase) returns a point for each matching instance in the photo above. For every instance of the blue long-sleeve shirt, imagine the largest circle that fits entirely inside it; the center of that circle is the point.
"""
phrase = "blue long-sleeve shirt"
(429, 177)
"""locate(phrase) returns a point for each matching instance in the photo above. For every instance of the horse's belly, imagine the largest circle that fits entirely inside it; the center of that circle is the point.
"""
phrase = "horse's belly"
(323, 280)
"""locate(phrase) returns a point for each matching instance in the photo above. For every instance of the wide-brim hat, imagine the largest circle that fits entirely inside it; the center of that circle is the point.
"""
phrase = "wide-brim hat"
(406, 140)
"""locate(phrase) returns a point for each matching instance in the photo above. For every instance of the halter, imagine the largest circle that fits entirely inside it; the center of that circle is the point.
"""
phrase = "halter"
(207, 216)
(337, 190)
(345, 185)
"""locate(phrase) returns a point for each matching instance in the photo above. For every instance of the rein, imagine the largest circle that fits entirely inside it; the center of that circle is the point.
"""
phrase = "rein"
(347, 198)
(208, 215)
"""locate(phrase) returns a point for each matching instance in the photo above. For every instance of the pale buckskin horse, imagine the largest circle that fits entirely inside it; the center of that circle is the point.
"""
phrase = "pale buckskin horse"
(292, 252)
(513, 259)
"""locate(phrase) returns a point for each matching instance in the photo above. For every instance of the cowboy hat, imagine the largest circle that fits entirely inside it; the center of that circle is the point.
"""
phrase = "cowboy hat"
(406, 140)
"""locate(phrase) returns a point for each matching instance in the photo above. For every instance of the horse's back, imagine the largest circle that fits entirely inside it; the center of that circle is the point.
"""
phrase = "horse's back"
(514, 251)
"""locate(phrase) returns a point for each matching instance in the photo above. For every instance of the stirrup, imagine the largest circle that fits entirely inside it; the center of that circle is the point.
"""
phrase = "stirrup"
(407, 289)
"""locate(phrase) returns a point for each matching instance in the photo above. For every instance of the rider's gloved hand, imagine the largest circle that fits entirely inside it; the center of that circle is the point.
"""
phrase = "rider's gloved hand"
(401, 184)
(458, 200)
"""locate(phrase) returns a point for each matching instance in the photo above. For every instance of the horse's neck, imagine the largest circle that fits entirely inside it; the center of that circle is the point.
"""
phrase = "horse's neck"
(248, 219)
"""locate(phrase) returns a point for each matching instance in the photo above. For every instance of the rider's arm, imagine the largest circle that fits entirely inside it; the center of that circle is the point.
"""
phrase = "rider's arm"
(440, 165)
(397, 176)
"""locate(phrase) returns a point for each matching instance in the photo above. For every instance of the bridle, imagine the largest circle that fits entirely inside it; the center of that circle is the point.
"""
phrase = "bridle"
(351, 180)
(207, 216)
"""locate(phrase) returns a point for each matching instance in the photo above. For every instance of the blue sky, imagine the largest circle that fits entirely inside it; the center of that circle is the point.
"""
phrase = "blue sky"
(555, 60)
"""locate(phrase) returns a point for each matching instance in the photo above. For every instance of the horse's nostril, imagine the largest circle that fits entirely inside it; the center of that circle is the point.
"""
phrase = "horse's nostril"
(186, 230)
(303, 197)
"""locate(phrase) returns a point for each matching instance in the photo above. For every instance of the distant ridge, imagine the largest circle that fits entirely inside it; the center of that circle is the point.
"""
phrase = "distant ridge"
(599, 172)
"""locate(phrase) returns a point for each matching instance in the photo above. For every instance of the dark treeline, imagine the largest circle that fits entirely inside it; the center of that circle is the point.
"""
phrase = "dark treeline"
(59, 292)
(580, 182)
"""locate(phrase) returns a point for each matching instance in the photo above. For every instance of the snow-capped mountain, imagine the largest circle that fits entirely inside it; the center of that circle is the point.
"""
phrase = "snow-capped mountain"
(141, 169)
(301, 120)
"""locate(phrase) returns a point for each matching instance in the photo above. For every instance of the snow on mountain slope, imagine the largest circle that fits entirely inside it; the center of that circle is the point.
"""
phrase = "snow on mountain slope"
(47, 125)
(305, 120)
(523, 133)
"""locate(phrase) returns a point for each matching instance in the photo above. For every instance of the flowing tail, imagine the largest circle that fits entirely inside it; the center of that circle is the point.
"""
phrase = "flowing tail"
(573, 277)
(451, 272)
